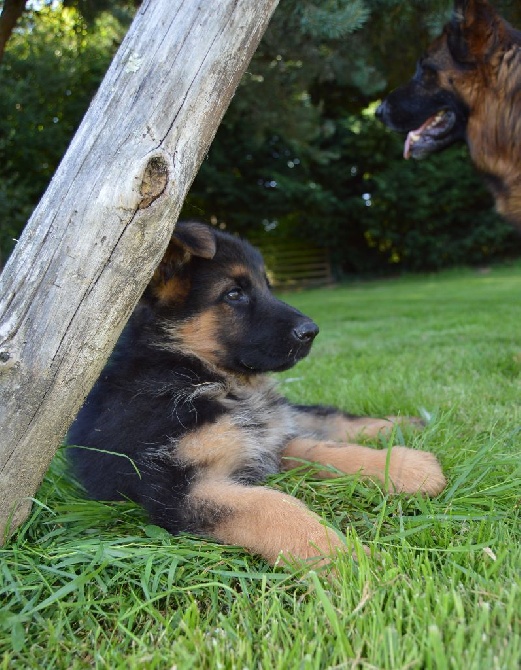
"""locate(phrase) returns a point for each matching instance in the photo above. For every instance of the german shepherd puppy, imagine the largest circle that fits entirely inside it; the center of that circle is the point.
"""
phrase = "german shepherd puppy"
(467, 86)
(185, 422)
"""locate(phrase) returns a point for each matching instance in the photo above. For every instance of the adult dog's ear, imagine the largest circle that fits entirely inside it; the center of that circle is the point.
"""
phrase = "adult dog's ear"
(458, 13)
(468, 11)
(190, 238)
(456, 37)
(474, 31)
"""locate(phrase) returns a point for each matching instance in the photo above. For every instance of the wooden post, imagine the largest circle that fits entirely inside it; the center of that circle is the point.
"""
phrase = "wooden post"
(101, 228)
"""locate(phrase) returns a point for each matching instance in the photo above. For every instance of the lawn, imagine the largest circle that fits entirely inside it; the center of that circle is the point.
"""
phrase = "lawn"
(87, 584)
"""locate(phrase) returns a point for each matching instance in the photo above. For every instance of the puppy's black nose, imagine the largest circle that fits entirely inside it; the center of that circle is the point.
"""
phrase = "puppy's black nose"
(306, 331)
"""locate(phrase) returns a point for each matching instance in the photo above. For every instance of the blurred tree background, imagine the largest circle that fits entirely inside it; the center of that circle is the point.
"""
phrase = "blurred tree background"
(299, 153)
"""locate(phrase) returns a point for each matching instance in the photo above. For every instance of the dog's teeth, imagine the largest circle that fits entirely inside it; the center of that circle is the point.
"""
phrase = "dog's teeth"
(414, 137)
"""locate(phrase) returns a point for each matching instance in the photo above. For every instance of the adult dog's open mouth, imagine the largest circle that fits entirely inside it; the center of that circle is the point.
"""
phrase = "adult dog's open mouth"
(427, 138)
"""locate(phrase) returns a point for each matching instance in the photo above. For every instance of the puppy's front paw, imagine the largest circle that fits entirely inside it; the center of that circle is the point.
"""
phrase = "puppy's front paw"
(412, 471)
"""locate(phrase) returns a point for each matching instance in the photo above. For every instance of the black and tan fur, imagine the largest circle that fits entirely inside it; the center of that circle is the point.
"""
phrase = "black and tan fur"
(191, 425)
(467, 86)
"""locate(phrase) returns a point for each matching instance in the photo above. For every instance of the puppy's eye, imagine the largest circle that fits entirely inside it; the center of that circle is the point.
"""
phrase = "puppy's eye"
(235, 294)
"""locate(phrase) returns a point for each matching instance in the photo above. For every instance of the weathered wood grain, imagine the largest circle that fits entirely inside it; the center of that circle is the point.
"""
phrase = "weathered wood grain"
(105, 220)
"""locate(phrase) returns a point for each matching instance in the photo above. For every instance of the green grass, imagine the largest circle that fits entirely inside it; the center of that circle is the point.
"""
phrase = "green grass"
(87, 584)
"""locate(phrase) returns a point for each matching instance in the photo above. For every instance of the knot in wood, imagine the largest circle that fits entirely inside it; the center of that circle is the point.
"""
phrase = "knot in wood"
(155, 179)
(7, 361)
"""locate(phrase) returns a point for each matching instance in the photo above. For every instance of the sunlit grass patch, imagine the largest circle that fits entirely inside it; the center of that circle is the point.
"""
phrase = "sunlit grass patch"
(89, 584)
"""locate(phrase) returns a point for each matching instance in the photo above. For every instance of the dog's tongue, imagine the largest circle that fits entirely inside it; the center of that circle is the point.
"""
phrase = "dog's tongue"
(410, 137)
(407, 145)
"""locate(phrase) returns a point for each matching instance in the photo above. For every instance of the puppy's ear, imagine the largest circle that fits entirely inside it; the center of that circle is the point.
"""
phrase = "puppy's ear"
(190, 238)
(196, 238)
(171, 282)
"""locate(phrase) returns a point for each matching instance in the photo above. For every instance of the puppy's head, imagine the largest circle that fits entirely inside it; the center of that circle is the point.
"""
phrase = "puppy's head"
(212, 299)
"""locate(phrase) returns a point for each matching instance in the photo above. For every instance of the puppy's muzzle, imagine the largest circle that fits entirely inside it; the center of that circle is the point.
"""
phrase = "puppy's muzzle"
(305, 332)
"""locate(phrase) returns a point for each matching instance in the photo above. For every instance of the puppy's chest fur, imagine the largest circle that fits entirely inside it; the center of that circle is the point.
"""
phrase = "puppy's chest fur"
(245, 441)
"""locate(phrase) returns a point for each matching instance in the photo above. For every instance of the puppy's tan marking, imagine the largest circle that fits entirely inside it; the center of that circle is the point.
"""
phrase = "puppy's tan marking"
(238, 271)
(341, 429)
(409, 470)
(173, 292)
(198, 335)
(220, 447)
(268, 523)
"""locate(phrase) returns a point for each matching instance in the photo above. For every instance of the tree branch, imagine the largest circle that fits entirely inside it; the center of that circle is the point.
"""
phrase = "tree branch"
(11, 12)
(103, 225)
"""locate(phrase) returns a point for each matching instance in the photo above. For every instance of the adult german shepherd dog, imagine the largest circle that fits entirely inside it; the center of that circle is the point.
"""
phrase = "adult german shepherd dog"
(467, 86)
(184, 420)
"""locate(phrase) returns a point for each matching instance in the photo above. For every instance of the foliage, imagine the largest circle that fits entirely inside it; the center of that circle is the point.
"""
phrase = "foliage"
(355, 195)
(298, 152)
(88, 584)
(50, 72)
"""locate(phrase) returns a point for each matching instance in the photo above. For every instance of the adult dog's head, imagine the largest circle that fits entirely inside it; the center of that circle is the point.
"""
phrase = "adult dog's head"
(461, 70)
